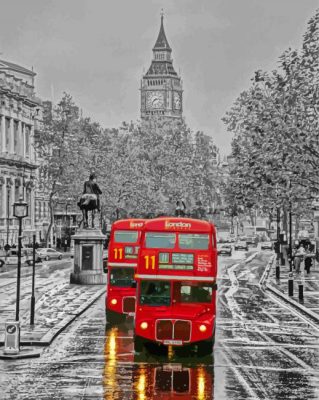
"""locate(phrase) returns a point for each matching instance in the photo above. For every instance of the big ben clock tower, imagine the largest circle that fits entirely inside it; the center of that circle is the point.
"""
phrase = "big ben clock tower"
(161, 87)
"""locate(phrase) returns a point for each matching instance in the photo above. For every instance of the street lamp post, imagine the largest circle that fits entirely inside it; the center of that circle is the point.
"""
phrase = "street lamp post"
(290, 239)
(278, 245)
(8, 216)
(67, 228)
(290, 275)
(33, 283)
(12, 329)
(20, 211)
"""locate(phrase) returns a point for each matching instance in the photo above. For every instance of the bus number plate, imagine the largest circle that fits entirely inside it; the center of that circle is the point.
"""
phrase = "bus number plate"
(173, 342)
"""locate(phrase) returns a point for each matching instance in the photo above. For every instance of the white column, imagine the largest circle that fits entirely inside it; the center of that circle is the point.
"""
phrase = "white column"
(20, 139)
(3, 201)
(13, 196)
(31, 140)
(23, 139)
(3, 133)
(11, 136)
(32, 199)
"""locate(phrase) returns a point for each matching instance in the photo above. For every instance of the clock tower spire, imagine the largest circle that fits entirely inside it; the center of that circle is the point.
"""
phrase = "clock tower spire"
(161, 87)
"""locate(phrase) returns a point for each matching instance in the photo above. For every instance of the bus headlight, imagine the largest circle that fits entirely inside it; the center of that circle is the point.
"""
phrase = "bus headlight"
(203, 328)
(144, 325)
(113, 301)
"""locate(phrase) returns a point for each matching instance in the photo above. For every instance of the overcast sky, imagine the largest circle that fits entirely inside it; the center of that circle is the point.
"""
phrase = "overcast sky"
(96, 50)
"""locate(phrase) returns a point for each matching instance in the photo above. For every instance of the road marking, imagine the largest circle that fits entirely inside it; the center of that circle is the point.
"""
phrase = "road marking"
(240, 377)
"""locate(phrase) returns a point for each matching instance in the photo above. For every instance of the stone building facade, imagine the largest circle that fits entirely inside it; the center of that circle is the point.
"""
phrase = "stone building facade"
(20, 115)
(161, 87)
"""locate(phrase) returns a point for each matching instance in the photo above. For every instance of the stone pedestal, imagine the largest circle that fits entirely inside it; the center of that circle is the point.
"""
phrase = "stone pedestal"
(88, 258)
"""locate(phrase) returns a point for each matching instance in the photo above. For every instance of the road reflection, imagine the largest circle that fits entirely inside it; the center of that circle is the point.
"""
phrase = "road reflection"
(149, 376)
(172, 381)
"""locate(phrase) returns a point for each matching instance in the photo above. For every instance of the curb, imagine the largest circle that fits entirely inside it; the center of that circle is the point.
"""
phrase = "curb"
(48, 337)
(264, 285)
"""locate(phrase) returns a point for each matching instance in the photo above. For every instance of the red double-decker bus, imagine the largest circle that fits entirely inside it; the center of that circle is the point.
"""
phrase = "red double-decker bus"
(176, 284)
(122, 262)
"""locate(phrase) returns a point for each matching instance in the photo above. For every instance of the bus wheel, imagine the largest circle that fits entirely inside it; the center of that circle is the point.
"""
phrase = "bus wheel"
(205, 348)
(138, 344)
(114, 317)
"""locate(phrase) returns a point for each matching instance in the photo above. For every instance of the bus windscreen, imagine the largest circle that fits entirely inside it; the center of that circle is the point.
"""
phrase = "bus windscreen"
(193, 241)
(155, 293)
(122, 277)
(201, 293)
(125, 236)
(160, 240)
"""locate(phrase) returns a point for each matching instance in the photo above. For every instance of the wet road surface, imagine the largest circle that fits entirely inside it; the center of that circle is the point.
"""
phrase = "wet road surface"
(262, 351)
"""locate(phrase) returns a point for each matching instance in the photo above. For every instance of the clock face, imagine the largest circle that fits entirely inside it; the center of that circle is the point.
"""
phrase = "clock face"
(177, 101)
(154, 100)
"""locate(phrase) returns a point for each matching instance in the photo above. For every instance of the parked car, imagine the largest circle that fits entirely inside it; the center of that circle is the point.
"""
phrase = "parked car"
(49, 254)
(241, 245)
(253, 240)
(266, 246)
(11, 257)
(28, 253)
(2, 258)
(225, 249)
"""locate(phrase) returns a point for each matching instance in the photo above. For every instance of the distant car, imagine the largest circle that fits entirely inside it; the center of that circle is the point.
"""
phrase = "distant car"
(242, 238)
(251, 240)
(266, 246)
(225, 249)
(49, 254)
(241, 245)
(28, 253)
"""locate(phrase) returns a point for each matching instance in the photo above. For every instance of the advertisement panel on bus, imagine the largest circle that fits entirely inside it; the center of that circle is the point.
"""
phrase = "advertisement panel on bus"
(122, 262)
(176, 284)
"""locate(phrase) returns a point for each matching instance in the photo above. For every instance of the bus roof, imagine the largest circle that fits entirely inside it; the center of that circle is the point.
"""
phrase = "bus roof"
(179, 225)
(129, 224)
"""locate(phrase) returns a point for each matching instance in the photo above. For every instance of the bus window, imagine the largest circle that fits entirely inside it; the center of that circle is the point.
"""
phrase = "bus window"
(201, 293)
(193, 241)
(122, 277)
(155, 293)
(160, 240)
(125, 236)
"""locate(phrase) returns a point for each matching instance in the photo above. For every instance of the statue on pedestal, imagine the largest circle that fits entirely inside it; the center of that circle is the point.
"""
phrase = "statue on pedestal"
(90, 200)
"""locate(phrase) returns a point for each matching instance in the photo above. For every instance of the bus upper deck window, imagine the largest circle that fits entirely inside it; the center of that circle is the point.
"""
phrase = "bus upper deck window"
(193, 241)
(125, 236)
(160, 240)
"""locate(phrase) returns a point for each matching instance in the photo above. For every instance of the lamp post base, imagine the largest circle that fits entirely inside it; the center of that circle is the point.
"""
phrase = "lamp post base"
(23, 353)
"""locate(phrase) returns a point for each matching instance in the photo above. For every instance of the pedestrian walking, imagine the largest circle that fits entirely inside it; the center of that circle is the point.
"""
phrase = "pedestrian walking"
(180, 208)
(308, 258)
(299, 257)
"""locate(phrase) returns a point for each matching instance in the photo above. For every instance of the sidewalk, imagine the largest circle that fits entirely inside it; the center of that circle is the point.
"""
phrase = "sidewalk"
(310, 304)
(57, 305)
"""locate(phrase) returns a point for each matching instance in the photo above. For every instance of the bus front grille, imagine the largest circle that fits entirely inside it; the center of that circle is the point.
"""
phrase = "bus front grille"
(164, 330)
(169, 330)
(129, 304)
(182, 330)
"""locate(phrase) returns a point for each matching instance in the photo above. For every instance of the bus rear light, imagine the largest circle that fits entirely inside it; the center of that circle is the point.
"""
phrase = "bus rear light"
(203, 328)
(144, 325)
(113, 301)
